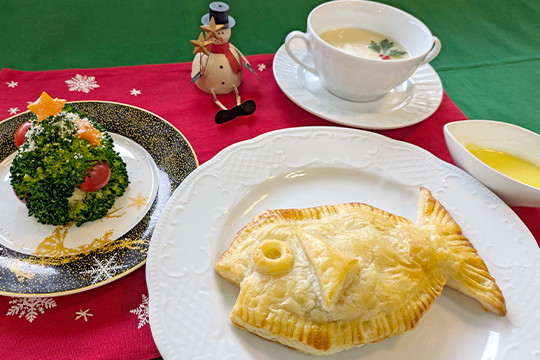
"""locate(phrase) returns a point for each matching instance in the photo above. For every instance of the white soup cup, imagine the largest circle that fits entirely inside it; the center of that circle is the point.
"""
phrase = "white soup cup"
(352, 77)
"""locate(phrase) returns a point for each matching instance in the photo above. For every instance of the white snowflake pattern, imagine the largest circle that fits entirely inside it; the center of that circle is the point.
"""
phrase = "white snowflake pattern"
(135, 92)
(12, 84)
(30, 307)
(261, 67)
(83, 314)
(13, 111)
(82, 83)
(142, 312)
(103, 270)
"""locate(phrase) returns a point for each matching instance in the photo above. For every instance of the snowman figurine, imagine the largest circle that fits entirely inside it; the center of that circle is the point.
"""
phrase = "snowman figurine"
(217, 67)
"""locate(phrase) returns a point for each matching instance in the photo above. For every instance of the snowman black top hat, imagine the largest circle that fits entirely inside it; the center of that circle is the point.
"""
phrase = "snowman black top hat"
(220, 12)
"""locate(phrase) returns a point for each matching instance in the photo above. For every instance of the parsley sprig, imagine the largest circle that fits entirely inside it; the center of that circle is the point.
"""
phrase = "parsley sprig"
(384, 47)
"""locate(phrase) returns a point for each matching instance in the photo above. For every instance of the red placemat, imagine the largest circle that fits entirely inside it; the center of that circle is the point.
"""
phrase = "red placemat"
(111, 322)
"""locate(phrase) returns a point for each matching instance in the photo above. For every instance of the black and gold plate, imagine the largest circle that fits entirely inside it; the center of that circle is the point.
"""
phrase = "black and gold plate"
(29, 275)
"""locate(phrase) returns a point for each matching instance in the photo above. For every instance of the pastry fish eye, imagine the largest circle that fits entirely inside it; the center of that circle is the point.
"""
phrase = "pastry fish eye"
(273, 257)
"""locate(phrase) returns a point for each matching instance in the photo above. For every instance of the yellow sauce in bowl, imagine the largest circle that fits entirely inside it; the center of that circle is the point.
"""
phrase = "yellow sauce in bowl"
(510, 165)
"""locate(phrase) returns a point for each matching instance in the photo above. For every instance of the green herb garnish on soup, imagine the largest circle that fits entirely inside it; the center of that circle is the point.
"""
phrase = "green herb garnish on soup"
(364, 43)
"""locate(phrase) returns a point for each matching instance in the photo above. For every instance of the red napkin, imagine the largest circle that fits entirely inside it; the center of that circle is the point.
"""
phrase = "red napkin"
(111, 322)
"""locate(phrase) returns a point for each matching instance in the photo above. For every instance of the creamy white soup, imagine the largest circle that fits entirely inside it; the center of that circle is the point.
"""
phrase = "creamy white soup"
(365, 43)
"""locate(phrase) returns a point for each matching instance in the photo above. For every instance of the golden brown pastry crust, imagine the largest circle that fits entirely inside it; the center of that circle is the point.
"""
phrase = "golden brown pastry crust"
(359, 274)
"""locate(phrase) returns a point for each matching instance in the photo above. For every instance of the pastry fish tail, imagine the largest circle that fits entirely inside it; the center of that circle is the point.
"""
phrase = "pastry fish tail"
(464, 268)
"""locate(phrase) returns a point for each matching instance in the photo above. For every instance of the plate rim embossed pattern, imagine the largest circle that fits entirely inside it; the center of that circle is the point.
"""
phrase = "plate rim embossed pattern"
(31, 276)
(190, 304)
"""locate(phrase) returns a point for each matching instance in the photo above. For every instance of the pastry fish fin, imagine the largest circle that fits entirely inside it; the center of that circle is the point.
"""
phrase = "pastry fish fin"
(334, 268)
(464, 268)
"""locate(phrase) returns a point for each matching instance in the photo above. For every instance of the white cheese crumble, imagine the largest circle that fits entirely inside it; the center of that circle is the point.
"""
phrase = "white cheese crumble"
(78, 195)
(76, 119)
(66, 132)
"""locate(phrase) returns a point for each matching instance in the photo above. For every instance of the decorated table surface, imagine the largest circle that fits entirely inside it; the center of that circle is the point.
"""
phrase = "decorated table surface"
(110, 319)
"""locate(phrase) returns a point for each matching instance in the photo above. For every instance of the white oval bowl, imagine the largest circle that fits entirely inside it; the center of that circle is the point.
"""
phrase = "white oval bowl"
(500, 136)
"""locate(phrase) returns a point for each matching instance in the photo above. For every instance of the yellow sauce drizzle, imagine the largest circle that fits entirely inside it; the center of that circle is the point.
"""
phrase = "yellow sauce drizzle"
(510, 165)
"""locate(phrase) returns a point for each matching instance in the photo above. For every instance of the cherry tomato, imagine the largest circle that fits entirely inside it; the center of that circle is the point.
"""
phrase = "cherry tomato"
(21, 132)
(98, 176)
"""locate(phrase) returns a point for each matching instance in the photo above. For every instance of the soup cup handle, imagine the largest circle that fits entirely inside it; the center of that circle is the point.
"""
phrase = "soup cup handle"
(434, 51)
(300, 35)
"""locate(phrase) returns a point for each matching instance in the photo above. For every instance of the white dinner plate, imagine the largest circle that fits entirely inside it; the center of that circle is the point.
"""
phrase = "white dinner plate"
(309, 166)
(410, 103)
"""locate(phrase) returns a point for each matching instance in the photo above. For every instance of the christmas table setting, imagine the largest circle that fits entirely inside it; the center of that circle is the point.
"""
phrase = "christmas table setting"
(213, 157)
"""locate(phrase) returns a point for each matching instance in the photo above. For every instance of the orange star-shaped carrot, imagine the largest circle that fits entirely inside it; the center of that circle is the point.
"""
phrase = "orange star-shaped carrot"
(85, 130)
(211, 29)
(46, 106)
(200, 45)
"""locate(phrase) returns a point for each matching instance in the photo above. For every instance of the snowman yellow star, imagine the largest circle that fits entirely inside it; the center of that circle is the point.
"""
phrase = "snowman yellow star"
(200, 45)
(46, 106)
(211, 29)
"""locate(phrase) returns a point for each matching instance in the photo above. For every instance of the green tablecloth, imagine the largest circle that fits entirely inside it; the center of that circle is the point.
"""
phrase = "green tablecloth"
(489, 63)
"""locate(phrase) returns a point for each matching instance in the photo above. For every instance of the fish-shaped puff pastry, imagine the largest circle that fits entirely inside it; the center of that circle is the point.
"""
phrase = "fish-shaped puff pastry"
(329, 278)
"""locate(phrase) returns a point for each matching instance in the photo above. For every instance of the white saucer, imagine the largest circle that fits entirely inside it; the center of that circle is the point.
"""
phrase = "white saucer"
(408, 104)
